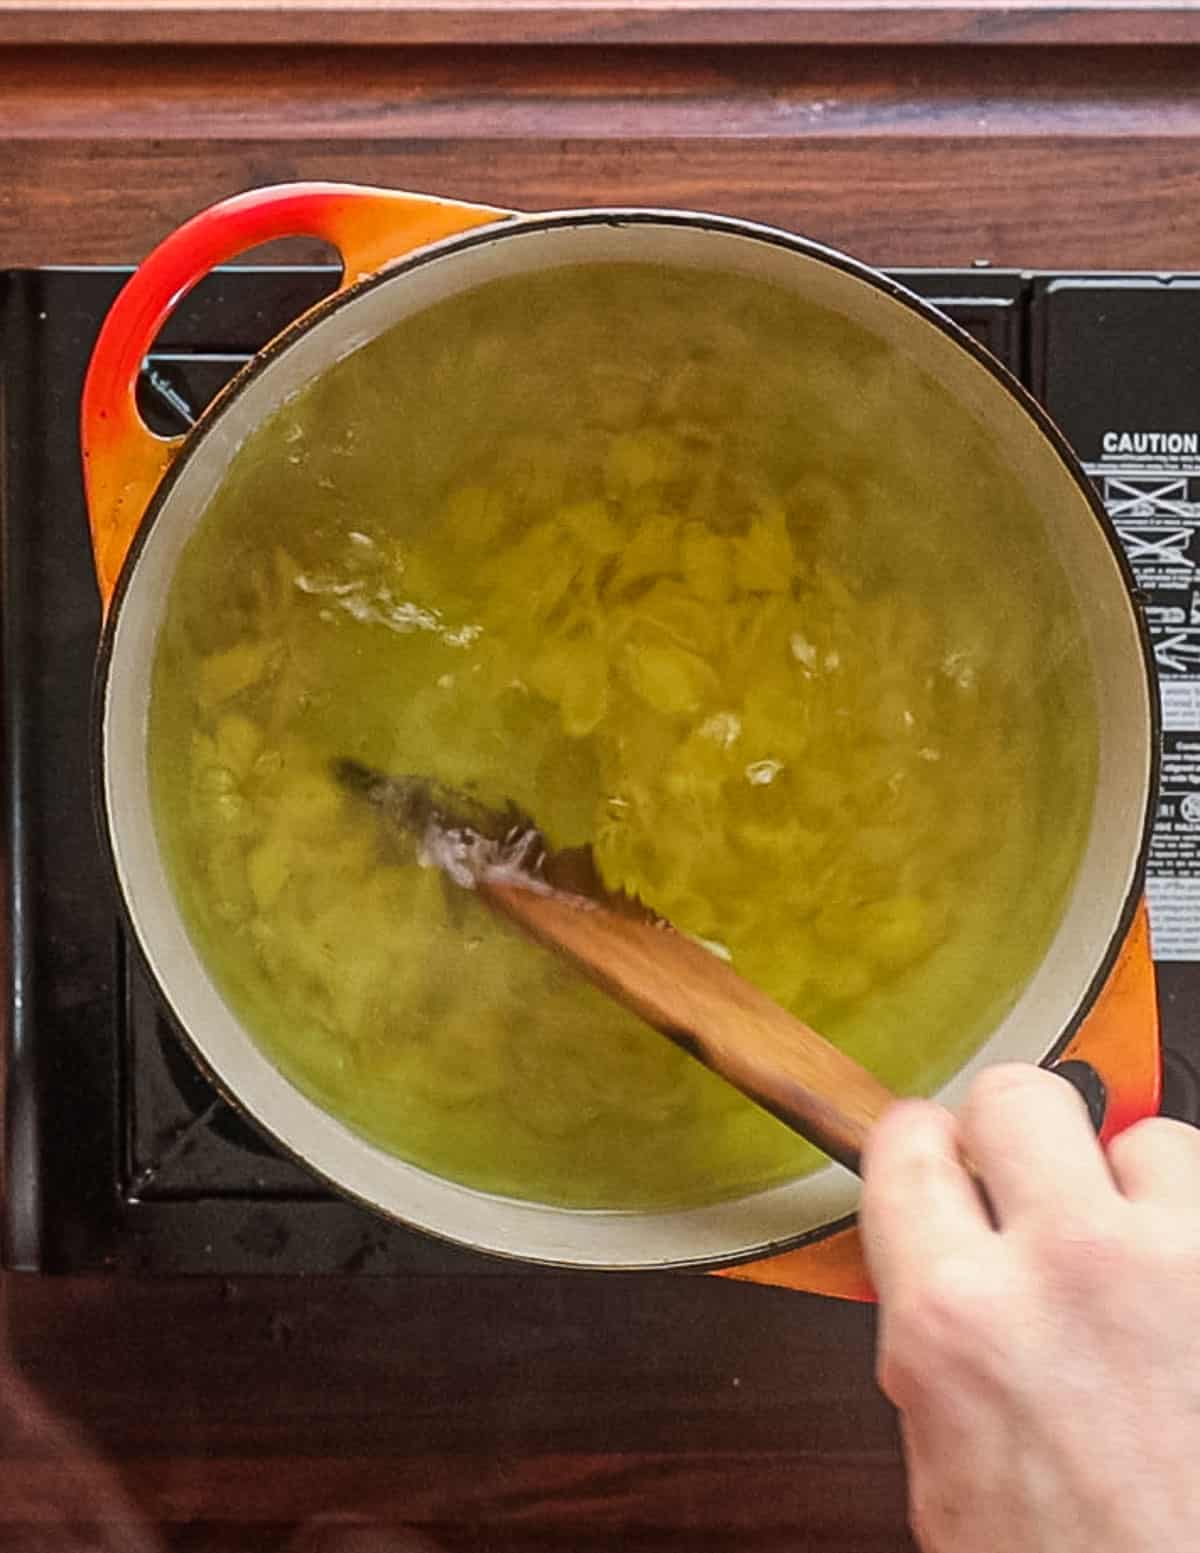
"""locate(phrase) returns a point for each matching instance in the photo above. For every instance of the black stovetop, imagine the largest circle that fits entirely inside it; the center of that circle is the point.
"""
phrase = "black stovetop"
(118, 1153)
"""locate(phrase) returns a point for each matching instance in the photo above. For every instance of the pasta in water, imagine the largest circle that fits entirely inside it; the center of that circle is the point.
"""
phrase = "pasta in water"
(690, 570)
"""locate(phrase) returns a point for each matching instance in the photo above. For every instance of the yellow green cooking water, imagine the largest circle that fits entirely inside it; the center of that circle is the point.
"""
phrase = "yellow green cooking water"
(689, 569)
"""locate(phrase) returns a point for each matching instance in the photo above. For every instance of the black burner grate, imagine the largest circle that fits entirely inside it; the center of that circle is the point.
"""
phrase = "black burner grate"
(118, 1151)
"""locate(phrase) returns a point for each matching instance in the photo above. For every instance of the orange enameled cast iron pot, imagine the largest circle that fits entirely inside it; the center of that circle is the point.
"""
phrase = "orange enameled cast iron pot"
(402, 253)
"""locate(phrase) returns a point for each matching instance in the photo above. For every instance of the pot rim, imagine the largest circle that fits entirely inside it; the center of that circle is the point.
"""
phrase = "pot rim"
(519, 225)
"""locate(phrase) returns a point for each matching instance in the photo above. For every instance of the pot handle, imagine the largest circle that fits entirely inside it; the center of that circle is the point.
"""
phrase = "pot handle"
(123, 460)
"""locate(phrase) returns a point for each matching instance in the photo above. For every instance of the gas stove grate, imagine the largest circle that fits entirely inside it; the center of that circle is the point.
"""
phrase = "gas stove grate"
(119, 1153)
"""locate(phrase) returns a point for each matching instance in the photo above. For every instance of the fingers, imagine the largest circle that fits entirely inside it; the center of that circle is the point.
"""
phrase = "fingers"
(918, 1201)
(1028, 1135)
(1158, 1160)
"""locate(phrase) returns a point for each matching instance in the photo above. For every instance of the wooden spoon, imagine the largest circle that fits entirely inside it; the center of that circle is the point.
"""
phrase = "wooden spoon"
(673, 983)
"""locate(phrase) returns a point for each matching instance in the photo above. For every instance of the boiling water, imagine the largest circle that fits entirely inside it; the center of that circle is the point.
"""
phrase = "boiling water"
(687, 569)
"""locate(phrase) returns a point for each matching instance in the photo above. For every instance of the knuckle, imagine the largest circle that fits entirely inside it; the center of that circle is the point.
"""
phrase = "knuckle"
(909, 1133)
(1155, 1136)
(922, 1175)
(1000, 1085)
(1005, 1078)
(1128, 1146)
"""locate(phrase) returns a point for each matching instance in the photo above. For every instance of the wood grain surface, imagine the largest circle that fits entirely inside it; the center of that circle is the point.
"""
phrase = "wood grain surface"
(622, 1408)
(371, 23)
(1021, 157)
(541, 1411)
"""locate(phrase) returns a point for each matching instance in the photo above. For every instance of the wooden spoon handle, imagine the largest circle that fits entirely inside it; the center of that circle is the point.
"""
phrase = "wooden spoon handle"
(702, 1003)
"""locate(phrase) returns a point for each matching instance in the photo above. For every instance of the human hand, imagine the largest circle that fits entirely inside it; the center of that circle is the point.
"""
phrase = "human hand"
(1047, 1367)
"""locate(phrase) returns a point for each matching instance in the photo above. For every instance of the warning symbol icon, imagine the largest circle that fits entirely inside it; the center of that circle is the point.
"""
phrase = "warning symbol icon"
(1145, 495)
(1146, 546)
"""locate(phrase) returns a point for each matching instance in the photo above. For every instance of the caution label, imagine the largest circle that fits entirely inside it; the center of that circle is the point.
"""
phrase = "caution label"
(1154, 503)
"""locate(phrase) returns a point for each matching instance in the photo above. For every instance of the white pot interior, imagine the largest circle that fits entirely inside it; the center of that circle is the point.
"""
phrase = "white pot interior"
(751, 1225)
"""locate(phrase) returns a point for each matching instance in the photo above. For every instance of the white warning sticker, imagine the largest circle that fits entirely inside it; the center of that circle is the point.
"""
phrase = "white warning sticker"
(1153, 499)
(1174, 917)
(1180, 703)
